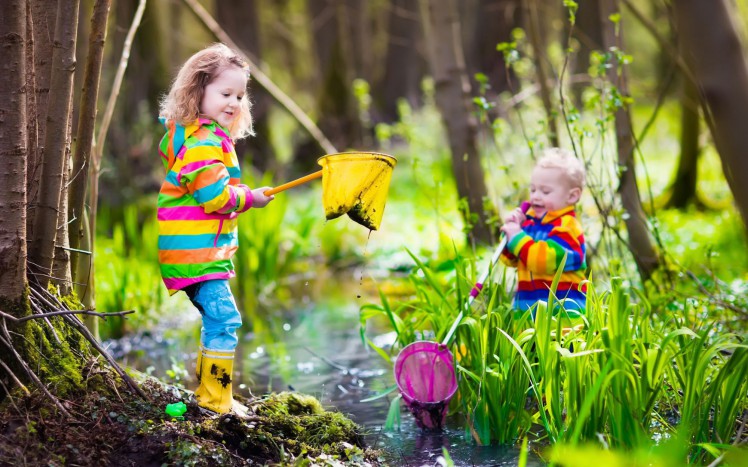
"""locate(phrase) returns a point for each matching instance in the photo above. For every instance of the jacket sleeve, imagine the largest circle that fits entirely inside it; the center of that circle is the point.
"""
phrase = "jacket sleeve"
(508, 258)
(545, 256)
(207, 179)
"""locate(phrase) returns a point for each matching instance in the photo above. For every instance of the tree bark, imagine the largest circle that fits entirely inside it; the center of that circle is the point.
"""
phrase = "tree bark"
(711, 44)
(56, 140)
(453, 98)
(38, 73)
(640, 242)
(86, 125)
(13, 147)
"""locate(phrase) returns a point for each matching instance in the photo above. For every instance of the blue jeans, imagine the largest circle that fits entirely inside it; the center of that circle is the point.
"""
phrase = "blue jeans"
(220, 316)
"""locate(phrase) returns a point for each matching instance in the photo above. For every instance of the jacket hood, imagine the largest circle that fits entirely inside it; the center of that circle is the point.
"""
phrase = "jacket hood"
(173, 140)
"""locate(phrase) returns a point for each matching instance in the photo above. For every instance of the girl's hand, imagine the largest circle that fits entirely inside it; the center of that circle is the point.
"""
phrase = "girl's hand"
(511, 229)
(259, 200)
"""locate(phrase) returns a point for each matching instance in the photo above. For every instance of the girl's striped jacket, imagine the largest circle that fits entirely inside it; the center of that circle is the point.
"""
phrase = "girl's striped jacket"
(537, 252)
(198, 204)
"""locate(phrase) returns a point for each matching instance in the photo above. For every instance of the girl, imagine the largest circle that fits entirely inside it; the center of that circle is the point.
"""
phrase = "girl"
(206, 110)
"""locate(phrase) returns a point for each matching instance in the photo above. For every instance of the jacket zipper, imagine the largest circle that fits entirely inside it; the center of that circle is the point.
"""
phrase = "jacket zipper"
(220, 226)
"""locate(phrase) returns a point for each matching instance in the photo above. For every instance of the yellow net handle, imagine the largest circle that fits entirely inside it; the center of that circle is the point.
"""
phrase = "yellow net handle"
(291, 184)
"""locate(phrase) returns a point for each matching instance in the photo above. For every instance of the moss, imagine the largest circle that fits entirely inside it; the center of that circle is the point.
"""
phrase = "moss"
(54, 361)
(290, 403)
(116, 427)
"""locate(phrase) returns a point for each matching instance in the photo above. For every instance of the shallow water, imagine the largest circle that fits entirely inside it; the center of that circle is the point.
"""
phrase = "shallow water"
(316, 349)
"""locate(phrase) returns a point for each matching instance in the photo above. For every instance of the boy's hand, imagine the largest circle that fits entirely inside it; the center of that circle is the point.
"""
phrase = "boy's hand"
(259, 200)
(511, 229)
(517, 216)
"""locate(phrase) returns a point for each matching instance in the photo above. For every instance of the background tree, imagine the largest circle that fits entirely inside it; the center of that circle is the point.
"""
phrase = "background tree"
(713, 50)
(453, 98)
(639, 240)
(404, 63)
(241, 20)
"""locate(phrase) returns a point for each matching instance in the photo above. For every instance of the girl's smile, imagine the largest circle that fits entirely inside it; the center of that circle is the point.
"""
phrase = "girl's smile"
(223, 95)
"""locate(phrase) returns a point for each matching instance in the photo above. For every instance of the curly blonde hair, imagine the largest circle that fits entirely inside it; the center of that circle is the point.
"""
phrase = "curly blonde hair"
(182, 104)
(573, 168)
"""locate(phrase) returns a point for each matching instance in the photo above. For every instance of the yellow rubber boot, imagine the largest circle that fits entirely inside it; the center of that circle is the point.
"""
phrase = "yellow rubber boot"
(214, 372)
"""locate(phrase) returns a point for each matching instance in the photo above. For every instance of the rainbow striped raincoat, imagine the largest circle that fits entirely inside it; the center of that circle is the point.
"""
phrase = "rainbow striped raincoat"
(198, 204)
(537, 252)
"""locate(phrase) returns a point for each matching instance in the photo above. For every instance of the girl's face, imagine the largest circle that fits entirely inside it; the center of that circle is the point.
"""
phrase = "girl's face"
(550, 190)
(223, 95)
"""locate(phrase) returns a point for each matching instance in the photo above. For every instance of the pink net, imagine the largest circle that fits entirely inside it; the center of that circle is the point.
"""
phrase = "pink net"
(425, 375)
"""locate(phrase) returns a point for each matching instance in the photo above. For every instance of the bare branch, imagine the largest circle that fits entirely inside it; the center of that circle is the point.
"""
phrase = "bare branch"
(6, 339)
(64, 312)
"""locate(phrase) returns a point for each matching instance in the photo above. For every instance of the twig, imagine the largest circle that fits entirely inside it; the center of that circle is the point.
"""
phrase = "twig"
(15, 378)
(9, 343)
(64, 312)
(716, 300)
(10, 397)
(264, 79)
(75, 322)
(116, 85)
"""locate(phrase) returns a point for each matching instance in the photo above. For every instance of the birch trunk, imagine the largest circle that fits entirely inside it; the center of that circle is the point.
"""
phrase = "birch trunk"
(86, 125)
(13, 148)
(57, 140)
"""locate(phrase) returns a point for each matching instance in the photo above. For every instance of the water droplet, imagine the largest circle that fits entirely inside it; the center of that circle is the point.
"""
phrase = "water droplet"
(286, 327)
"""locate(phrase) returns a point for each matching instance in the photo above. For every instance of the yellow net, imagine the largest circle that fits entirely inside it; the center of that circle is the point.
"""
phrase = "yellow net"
(356, 183)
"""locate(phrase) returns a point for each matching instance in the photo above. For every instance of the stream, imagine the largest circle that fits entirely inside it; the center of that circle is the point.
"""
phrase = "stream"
(314, 349)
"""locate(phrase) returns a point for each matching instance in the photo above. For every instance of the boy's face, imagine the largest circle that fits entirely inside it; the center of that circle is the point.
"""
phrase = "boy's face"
(222, 97)
(550, 190)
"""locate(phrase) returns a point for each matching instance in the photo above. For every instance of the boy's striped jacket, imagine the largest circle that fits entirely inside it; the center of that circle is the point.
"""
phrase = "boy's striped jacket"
(537, 252)
(198, 204)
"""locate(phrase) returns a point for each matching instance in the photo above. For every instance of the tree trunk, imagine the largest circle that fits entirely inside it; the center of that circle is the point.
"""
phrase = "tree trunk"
(38, 73)
(640, 242)
(491, 23)
(453, 98)
(13, 147)
(86, 126)
(588, 32)
(713, 51)
(240, 19)
(542, 68)
(404, 62)
(61, 274)
(56, 140)
(338, 110)
(684, 185)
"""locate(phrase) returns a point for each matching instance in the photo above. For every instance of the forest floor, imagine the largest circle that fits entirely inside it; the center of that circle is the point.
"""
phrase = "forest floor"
(110, 425)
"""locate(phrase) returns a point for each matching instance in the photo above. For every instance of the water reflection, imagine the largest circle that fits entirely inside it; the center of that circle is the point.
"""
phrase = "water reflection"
(316, 349)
